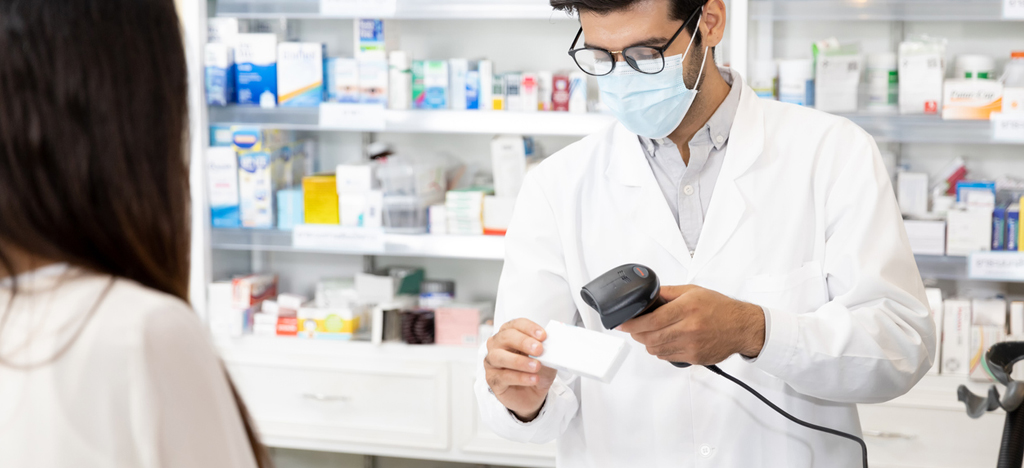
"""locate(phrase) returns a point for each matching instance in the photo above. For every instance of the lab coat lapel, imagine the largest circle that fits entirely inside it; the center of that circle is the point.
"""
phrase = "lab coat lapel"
(628, 167)
(729, 202)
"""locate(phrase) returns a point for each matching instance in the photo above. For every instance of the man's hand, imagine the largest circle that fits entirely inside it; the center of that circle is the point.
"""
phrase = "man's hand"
(519, 382)
(699, 326)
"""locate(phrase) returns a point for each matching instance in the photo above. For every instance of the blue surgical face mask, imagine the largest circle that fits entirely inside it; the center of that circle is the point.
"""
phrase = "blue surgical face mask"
(651, 106)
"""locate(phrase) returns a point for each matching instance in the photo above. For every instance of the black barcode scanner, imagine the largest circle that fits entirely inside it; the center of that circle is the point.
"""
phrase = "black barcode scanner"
(623, 294)
(632, 290)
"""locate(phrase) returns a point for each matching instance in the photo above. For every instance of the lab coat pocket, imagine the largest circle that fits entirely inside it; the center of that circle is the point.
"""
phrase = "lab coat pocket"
(801, 290)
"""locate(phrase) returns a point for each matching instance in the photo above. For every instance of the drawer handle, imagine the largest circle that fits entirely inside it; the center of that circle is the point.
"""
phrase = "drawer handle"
(889, 435)
(325, 398)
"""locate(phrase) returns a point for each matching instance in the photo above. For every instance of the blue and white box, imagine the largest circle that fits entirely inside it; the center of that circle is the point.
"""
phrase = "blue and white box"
(222, 174)
(300, 74)
(256, 57)
(369, 40)
(473, 90)
(373, 82)
(220, 74)
(342, 77)
(457, 70)
(255, 178)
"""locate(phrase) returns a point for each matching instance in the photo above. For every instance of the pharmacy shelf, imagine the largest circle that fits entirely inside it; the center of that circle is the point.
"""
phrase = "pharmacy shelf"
(473, 248)
(395, 245)
(404, 9)
(877, 10)
(923, 129)
(884, 127)
(424, 121)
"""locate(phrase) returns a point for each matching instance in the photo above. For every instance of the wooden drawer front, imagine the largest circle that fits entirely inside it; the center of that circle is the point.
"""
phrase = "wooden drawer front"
(929, 438)
(402, 405)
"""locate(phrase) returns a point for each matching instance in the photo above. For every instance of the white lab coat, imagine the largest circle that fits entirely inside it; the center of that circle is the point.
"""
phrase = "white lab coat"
(802, 222)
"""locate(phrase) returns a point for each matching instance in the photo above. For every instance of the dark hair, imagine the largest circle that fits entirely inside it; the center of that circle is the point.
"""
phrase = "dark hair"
(93, 141)
(681, 9)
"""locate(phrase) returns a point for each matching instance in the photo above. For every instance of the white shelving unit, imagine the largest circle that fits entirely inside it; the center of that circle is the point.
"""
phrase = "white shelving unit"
(877, 10)
(404, 9)
(416, 401)
(424, 121)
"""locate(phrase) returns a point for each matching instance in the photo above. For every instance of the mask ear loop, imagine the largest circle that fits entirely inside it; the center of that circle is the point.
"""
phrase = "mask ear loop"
(704, 61)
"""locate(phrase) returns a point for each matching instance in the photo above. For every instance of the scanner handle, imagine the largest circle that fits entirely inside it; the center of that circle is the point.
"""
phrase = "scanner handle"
(658, 302)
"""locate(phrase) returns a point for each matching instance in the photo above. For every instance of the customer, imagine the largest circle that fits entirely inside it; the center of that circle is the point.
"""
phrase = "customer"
(102, 362)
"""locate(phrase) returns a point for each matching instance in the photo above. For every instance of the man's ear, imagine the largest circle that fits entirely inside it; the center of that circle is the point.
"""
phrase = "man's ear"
(712, 26)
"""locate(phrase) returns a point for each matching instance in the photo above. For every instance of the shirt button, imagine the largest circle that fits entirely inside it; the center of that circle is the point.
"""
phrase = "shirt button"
(706, 450)
(688, 190)
(719, 138)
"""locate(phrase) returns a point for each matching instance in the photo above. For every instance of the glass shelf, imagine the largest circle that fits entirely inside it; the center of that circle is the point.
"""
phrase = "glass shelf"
(884, 127)
(473, 247)
(424, 121)
(877, 10)
(395, 245)
(405, 9)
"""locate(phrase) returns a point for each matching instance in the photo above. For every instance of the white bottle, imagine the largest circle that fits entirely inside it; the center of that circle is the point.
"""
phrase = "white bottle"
(1013, 82)
(883, 83)
(796, 82)
(400, 78)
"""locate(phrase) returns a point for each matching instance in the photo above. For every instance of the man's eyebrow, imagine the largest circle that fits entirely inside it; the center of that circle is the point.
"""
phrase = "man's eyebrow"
(650, 42)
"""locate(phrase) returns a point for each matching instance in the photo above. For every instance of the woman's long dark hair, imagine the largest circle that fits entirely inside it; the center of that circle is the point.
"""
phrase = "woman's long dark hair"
(93, 161)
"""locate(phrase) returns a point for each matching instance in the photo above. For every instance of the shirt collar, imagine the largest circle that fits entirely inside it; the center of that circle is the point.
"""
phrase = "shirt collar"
(719, 125)
(48, 271)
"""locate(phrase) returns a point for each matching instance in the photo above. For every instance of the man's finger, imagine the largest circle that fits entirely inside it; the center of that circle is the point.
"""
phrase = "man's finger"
(517, 341)
(670, 293)
(503, 359)
(527, 326)
(662, 317)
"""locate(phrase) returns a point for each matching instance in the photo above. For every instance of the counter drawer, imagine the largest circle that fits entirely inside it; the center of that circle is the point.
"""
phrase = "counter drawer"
(397, 404)
(933, 438)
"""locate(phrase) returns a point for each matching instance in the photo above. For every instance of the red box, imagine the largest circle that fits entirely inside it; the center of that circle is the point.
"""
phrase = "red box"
(560, 93)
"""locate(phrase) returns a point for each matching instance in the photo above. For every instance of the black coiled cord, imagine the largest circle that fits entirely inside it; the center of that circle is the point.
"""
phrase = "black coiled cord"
(1011, 452)
(863, 446)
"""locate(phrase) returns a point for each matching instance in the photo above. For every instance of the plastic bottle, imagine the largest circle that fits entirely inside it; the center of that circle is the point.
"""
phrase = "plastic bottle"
(883, 83)
(1013, 84)
(796, 82)
(974, 67)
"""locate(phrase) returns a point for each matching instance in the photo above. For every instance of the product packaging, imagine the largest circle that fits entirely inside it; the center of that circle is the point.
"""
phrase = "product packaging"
(300, 74)
(508, 163)
(971, 99)
(498, 93)
(922, 68)
(485, 68)
(1013, 227)
(529, 89)
(560, 93)
(342, 80)
(373, 82)
(544, 90)
(982, 338)
(497, 214)
(578, 92)
(256, 57)
(883, 83)
(837, 77)
(435, 84)
(247, 291)
(321, 199)
(593, 354)
(912, 193)
(457, 70)
(927, 237)
(796, 82)
(956, 337)
(369, 40)
(222, 174)
(220, 74)
(513, 92)
(400, 81)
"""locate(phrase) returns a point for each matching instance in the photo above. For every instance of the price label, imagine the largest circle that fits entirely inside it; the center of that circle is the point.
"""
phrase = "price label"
(358, 8)
(340, 238)
(1013, 9)
(357, 117)
(997, 266)
(1008, 127)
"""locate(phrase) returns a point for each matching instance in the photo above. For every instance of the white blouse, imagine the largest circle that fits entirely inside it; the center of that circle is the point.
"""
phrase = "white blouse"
(139, 386)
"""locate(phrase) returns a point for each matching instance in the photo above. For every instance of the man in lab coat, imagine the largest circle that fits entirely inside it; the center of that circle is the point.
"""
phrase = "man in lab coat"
(776, 235)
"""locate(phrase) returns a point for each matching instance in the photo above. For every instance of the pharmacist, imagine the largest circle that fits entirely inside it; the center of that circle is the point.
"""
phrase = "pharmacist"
(777, 238)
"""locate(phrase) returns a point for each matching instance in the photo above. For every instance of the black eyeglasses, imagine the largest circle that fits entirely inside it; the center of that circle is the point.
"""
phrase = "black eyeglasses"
(644, 59)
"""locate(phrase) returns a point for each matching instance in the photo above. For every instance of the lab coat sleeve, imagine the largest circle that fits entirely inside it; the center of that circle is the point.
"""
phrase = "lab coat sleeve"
(874, 339)
(190, 417)
(533, 285)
